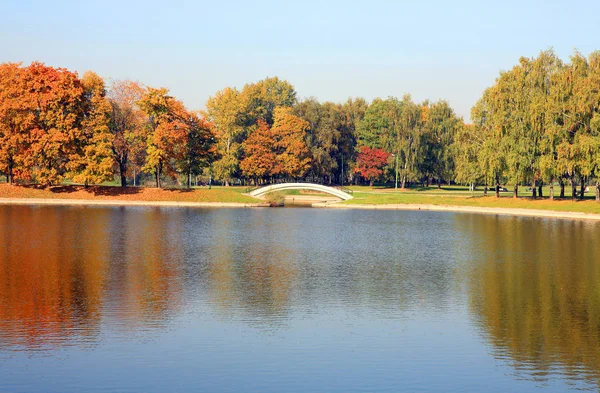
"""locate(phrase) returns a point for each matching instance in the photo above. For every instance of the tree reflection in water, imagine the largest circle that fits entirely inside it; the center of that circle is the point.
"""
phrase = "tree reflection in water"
(535, 291)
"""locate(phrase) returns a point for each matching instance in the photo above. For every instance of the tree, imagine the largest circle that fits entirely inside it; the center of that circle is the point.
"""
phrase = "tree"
(465, 149)
(262, 98)
(166, 133)
(16, 120)
(227, 111)
(198, 150)
(92, 161)
(259, 159)
(289, 133)
(370, 163)
(126, 124)
(441, 126)
(56, 132)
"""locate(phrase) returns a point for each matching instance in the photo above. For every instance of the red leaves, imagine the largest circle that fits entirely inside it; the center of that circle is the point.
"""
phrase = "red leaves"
(370, 162)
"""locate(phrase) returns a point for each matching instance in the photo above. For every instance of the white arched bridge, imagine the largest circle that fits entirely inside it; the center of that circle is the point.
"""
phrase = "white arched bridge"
(259, 192)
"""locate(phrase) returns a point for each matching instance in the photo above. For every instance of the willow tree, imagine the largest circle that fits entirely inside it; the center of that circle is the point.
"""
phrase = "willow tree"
(407, 139)
(492, 156)
(440, 128)
(465, 148)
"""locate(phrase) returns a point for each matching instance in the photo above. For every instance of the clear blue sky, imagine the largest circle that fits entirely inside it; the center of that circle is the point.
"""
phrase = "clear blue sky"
(327, 49)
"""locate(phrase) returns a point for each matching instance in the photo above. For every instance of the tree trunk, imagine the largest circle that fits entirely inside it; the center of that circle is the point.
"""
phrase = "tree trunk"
(370, 183)
(581, 196)
(540, 189)
(552, 190)
(597, 190)
(573, 188)
(561, 182)
(533, 190)
(516, 192)
(403, 182)
(158, 185)
(134, 177)
(485, 190)
(497, 187)
(122, 173)
(189, 180)
(9, 175)
(439, 181)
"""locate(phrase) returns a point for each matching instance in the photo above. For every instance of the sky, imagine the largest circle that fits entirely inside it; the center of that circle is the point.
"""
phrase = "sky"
(331, 50)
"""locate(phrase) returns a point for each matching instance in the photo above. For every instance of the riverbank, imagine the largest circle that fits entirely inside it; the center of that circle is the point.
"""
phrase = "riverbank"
(84, 202)
(128, 196)
(466, 209)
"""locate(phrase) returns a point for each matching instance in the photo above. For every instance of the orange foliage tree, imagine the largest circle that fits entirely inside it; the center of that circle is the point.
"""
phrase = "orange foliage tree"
(56, 98)
(280, 150)
(292, 153)
(260, 160)
(15, 121)
(177, 140)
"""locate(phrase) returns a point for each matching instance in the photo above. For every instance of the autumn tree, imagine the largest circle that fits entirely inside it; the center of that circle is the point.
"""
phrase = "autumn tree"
(57, 131)
(126, 125)
(91, 161)
(16, 120)
(370, 163)
(235, 115)
(260, 158)
(198, 149)
(166, 132)
(289, 133)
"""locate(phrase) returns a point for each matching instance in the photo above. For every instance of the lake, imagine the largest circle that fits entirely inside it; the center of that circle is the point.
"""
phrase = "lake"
(103, 299)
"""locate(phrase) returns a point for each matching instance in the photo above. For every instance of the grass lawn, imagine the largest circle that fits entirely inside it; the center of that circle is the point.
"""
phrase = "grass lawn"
(200, 194)
(461, 196)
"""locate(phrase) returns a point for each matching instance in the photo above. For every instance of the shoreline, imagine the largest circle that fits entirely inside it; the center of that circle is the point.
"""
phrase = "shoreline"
(328, 205)
(468, 209)
(116, 202)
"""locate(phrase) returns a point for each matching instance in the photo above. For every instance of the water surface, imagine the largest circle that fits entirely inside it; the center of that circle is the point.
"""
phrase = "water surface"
(269, 300)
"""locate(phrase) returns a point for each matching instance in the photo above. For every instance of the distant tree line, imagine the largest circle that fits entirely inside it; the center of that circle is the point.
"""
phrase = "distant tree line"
(265, 134)
(538, 124)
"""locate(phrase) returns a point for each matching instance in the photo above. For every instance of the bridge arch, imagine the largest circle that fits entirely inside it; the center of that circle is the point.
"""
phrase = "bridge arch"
(259, 192)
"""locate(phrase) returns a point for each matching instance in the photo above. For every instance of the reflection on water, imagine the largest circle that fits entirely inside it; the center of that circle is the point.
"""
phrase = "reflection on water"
(383, 300)
(535, 288)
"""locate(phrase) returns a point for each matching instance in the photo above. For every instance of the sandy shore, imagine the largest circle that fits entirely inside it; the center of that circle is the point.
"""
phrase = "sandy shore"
(116, 202)
(467, 209)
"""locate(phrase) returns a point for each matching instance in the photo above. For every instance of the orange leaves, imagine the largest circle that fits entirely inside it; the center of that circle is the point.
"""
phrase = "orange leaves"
(277, 151)
(260, 159)
(42, 110)
(177, 139)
